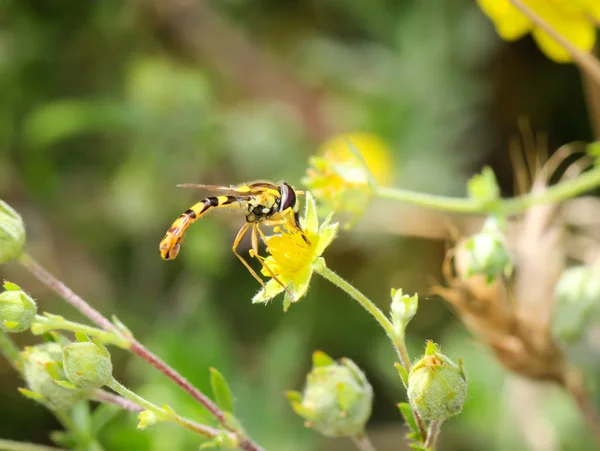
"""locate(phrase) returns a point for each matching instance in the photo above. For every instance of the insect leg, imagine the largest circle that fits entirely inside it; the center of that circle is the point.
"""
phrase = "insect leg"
(236, 243)
(256, 230)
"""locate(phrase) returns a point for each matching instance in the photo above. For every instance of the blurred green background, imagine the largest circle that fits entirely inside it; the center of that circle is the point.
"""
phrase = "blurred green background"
(107, 105)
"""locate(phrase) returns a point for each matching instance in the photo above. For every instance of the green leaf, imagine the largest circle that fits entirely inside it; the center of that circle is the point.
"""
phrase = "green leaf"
(403, 373)
(319, 358)
(9, 286)
(221, 390)
(483, 187)
(102, 416)
(80, 415)
(408, 416)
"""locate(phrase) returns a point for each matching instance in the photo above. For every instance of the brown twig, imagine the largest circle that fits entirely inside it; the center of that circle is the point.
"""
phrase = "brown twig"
(136, 347)
(586, 61)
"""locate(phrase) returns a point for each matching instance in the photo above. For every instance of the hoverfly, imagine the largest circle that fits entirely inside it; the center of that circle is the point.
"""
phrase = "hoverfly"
(262, 203)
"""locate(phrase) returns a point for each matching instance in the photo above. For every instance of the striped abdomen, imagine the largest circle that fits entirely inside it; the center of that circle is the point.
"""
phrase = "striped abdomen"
(169, 246)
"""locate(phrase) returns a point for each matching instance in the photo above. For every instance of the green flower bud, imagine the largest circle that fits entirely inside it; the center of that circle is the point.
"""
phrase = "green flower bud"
(485, 253)
(17, 309)
(87, 364)
(12, 233)
(37, 361)
(437, 387)
(403, 309)
(337, 398)
(576, 303)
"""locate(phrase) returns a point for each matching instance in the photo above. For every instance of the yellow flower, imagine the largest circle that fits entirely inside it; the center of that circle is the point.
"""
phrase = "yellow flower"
(291, 258)
(343, 176)
(575, 20)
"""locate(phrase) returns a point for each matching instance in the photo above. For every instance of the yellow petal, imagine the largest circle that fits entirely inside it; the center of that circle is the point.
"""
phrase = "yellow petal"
(272, 289)
(301, 281)
(580, 33)
(510, 23)
(326, 236)
(311, 221)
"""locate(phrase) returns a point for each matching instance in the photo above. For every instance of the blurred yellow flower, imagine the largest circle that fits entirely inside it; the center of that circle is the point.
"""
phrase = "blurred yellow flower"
(342, 177)
(291, 258)
(575, 20)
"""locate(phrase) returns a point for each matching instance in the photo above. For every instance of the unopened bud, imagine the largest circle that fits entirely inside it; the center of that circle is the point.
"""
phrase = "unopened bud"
(38, 364)
(485, 253)
(87, 364)
(576, 303)
(437, 387)
(12, 233)
(17, 309)
(337, 399)
(403, 308)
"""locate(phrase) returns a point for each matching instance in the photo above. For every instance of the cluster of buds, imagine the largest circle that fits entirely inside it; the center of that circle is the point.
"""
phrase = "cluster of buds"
(59, 374)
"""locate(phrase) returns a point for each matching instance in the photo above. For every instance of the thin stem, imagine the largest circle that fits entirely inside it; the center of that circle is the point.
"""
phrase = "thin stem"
(433, 201)
(110, 398)
(362, 442)
(364, 301)
(67, 294)
(163, 414)
(136, 347)
(10, 351)
(370, 307)
(555, 193)
(10, 445)
(432, 434)
(42, 324)
(585, 60)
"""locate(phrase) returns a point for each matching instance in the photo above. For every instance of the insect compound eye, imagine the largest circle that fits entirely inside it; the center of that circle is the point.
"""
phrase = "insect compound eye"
(288, 197)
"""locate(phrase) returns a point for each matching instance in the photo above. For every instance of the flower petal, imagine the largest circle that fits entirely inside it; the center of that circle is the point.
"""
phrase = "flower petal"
(265, 295)
(579, 32)
(510, 23)
(311, 221)
(326, 236)
(301, 281)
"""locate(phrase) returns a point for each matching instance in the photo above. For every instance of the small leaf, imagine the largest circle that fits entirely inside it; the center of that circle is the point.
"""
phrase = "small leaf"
(65, 439)
(408, 416)
(431, 348)
(37, 397)
(81, 337)
(319, 358)
(293, 396)
(9, 286)
(403, 373)
(221, 390)
(483, 187)
(346, 396)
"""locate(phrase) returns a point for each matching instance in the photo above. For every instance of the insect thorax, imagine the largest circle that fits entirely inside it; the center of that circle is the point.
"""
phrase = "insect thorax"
(262, 207)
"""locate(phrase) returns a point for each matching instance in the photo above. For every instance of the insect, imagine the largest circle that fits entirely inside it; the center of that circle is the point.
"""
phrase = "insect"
(262, 202)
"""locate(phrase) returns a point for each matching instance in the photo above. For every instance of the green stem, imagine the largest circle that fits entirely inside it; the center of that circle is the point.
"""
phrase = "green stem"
(432, 434)
(10, 351)
(555, 193)
(367, 304)
(10, 445)
(43, 324)
(164, 414)
(362, 442)
(397, 339)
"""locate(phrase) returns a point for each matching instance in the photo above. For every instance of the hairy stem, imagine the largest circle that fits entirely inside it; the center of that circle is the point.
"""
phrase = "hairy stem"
(10, 445)
(134, 346)
(43, 324)
(10, 351)
(555, 193)
(163, 414)
(432, 434)
(110, 398)
(586, 61)
(369, 306)
(362, 442)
